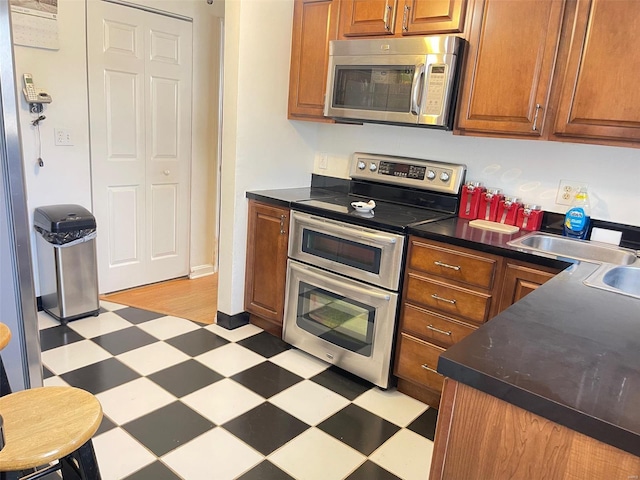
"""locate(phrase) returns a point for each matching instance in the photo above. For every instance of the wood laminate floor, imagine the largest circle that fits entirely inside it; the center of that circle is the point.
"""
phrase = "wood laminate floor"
(191, 299)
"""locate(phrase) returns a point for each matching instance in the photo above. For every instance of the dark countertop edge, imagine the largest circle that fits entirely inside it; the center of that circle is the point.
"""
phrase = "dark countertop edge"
(448, 235)
(581, 422)
(278, 202)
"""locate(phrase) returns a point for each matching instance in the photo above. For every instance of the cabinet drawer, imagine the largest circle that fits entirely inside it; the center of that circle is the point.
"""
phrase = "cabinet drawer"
(461, 302)
(433, 327)
(415, 358)
(461, 265)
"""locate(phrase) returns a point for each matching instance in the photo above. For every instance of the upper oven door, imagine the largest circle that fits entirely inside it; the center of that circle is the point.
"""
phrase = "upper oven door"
(357, 252)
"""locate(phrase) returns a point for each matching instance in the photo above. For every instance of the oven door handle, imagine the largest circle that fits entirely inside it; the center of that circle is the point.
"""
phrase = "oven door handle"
(309, 271)
(339, 228)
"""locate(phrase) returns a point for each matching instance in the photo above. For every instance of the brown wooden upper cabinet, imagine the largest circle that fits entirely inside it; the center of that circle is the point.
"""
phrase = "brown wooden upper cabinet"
(315, 23)
(366, 18)
(553, 69)
(509, 67)
(599, 95)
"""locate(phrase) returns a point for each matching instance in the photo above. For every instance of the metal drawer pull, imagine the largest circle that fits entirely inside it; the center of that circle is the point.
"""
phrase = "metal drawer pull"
(437, 297)
(446, 265)
(283, 218)
(535, 118)
(431, 327)
(427, 367)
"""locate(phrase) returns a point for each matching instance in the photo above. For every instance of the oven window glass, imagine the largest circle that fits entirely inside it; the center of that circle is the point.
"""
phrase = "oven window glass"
(346, 252)
(336, 319)
(384, 88)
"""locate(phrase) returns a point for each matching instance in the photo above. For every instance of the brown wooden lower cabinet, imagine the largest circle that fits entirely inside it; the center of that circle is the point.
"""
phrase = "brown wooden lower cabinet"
(449, 291)
(520, 279)
(480, 437)
(266, 267)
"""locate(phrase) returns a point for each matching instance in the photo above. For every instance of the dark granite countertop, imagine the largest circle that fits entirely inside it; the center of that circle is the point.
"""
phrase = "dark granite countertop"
(284, 197)
(567, 352)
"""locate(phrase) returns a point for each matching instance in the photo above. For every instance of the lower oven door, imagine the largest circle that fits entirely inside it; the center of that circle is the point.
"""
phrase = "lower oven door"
(342, 321)
(358, 252)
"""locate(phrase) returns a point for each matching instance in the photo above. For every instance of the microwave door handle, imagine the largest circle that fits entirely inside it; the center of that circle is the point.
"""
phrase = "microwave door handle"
(416, 89)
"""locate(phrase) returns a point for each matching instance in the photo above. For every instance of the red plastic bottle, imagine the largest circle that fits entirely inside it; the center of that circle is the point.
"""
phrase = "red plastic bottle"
(489, 202)
(529, 217)
(508, 210)
(470, 200)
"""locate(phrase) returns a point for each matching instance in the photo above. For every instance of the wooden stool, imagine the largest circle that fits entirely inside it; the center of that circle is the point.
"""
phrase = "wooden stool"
(5, 336)
(45, 424)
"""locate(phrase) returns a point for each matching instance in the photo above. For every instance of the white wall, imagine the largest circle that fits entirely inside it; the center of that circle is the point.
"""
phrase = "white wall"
(261, 149)
(66, 175)
(527, 168)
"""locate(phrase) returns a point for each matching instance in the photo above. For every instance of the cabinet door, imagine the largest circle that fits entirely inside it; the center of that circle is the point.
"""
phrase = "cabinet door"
(520, 279)
(424, 17)
(367, 17)
(512, 50)
(314, 25)
(265, 276)
(600, 96)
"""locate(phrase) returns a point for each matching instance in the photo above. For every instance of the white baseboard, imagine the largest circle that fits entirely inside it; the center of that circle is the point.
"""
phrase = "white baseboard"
(201, 271)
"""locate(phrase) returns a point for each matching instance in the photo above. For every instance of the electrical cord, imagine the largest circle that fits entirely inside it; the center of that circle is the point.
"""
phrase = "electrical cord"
(36, 123)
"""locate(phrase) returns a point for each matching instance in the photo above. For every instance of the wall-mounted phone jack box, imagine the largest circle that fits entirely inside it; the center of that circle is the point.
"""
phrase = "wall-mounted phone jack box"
(36, 107)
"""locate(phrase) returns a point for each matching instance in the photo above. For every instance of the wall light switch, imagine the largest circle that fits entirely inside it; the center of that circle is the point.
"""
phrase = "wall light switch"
(324, 161)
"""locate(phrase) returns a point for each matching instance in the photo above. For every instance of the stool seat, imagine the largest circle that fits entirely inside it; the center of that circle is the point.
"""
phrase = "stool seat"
(46, 424)
(5, 335)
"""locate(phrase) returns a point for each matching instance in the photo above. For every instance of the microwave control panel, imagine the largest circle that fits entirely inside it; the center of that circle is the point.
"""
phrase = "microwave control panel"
(411, 172)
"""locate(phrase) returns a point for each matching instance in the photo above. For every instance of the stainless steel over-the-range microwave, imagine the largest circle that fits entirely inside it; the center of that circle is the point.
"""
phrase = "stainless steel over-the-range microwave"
(410, 81)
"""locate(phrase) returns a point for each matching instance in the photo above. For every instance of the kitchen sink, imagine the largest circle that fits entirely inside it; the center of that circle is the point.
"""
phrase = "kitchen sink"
(548, 244)
(619, 279)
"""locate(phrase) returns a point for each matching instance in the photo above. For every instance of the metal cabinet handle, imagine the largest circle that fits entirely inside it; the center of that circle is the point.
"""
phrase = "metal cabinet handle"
(387, 9)
(438, 297)
(535, 118)
(405, 16)
(427, 367)
(446, 265)
(431, 327)
(282, 221)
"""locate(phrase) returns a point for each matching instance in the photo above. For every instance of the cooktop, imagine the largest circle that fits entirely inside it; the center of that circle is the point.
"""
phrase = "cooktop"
(407, 191)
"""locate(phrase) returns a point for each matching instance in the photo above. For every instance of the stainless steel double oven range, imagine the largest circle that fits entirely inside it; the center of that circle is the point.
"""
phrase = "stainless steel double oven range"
(344, 268)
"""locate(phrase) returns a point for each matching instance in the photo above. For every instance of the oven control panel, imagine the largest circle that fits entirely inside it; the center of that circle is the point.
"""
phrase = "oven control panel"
(411, 172)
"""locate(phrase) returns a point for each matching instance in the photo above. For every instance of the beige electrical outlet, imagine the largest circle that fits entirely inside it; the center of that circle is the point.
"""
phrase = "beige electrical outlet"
(567, 191)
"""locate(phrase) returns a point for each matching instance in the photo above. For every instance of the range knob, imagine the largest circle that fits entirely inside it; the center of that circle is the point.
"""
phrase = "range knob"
(361, 165)
(431, 174)
(444, 176)
(373, 167)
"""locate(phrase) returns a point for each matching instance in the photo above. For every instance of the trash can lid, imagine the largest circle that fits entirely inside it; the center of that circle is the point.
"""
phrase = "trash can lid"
(63, 218)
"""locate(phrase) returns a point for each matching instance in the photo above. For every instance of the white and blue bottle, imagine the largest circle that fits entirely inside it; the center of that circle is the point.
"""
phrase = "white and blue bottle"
(576, 221)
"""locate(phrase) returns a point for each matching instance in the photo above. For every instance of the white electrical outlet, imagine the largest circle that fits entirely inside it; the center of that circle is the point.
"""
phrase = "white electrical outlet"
(63, 137)
(567, 191)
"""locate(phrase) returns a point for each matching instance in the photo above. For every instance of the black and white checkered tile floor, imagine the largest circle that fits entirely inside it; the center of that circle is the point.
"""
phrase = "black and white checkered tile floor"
(182, 400)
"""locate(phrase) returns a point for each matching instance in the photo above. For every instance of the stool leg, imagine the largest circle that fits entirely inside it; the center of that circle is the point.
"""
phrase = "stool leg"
(5, 388)
(81, 464)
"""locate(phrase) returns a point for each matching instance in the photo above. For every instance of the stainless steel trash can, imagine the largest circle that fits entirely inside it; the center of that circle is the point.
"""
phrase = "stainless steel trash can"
(67, 264)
